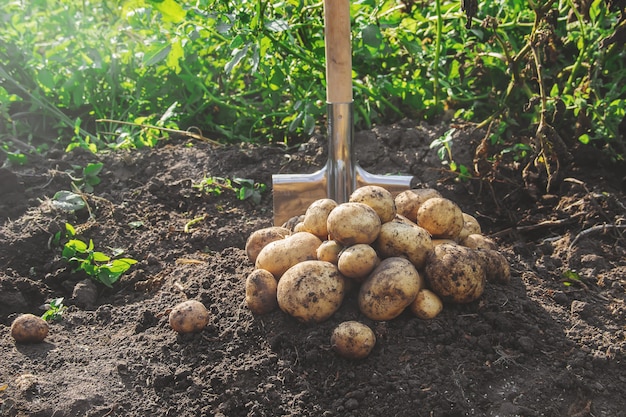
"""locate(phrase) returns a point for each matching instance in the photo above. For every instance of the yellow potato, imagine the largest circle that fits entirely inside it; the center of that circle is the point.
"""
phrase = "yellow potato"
(189, 317)
(261, 292)
(441, 217)
(389, 289)
(357, 261)
(497, 268)
(455, 273)
(470, 226)
(427, 305)
(316, 216)
(258, 239)
(476, 241)
(407, 202)
(278, 256)
(29, 328)
(329, 251)
(402, 239)
(311, 291)
(377, 198)
(352, 223)
(353, 340)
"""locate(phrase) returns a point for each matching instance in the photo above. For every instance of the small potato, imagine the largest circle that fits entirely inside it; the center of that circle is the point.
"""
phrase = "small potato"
(476, 241)
(353, 340)
(329, 251)
(455, 273)
(389, 289)
(189, 316)
(402, 239)
(470, 226)
(29, 328)
(311, 291)
(441, 217)
(427, 305)
(357, 261)
(277, 257)
(497, 268)
(299, 227)
(316, 216)
(258, 239)
(292, 222)
(378, 198)
(407, 202)
(352, 223)
(261, 291)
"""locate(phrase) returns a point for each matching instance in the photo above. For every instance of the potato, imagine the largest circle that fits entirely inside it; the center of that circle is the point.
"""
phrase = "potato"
(258, 239)
(189, 316)
(278, 256)
(399, 218)
(427, 305)
(329, 251)
(408, 201)
(496, 265)
(261, 291)
(311, 291)
(389, 289)
(299, 227)
(377, 198)
(455, 273)
(476, 241)
(352, 223)
(29, 328)
(292, 222)
(441, 217)
(357, 261)
(442, 241)
(353, 340)
(470, 226)
(316, 216)
(402, 239)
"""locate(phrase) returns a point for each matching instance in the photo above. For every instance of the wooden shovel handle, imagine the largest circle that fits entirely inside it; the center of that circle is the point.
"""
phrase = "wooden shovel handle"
(338, 51)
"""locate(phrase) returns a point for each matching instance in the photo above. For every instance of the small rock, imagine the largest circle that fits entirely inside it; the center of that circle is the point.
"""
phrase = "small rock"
(561, 298)
(85, 293)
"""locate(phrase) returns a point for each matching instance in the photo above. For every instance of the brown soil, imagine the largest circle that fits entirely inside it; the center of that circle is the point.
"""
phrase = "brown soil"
(541, 345)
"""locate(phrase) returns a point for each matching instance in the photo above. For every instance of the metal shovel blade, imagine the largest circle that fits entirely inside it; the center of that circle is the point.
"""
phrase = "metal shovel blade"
(293, 193)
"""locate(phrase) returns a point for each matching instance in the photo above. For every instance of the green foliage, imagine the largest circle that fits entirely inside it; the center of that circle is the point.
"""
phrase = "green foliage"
(97, 265)
(243, 188)
(87, 177)
(54, 310)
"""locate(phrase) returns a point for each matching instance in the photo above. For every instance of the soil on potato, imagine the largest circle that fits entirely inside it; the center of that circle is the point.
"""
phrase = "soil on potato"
(549, 343)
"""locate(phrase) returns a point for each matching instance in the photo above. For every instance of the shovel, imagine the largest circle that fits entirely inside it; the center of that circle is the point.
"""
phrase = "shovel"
(293, 193)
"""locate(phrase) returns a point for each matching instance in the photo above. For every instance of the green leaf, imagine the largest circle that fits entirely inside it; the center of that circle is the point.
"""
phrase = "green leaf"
(171, 11)
(68, 201)
(156, 54)
(93, 169)
(101, 257)
(174, 57)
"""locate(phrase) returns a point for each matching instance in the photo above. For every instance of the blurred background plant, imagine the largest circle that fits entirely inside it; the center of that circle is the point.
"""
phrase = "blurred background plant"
(253, 71)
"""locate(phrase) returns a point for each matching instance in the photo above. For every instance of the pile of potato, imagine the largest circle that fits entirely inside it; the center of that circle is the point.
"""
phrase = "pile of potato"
(413, 252)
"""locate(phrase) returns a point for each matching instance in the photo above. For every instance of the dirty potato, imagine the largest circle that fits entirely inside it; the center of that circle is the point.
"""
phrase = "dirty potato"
(497, 268)
(389, 289)
(352, 223)
(357, 261)
(29, 328)
(329, 251)
(408, 201)
(316, 217)
(261, 292)
(478, 241)
(353, 340)
(311, 291)
(378, 198)
(278, 256)
(427, 305)
(470, 226)
(455, 273)
(441, 217)
(189, 317)
(259, 238)
(402, 239)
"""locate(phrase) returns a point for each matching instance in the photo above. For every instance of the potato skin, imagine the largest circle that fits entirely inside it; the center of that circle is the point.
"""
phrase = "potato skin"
(497, 268)
(478, 241)
(402, 239)
(261, 292)
(259, 238)
(316, 216)
(378, 198)
(455, 273)
(353, 340)
(389, 289)
(441, 217)
(408, 201)
(357, 261)
(311, 291)
(277, 257)
(29, 328)
(189, 316)
(329, 251)
(427, 305)
(470, 226)
(352, 223)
